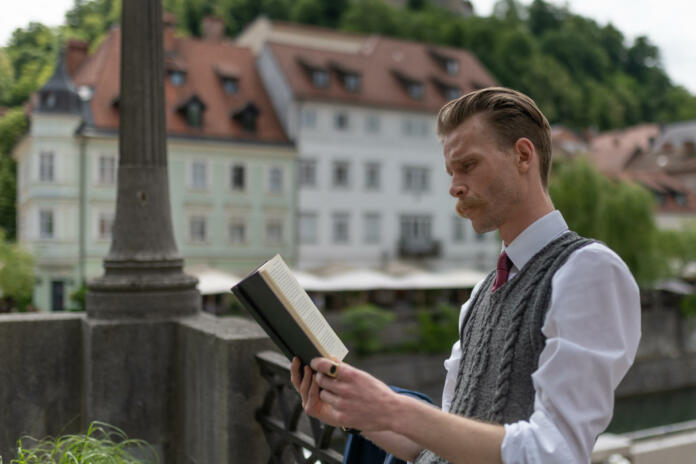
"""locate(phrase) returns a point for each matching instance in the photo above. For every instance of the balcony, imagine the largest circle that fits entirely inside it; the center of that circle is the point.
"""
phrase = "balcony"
(419, 248)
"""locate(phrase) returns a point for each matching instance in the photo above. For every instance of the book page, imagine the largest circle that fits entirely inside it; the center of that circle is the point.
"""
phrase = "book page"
(278, 276)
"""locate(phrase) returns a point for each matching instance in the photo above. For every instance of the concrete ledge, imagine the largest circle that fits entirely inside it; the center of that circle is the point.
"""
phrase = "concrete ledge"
(40, 376)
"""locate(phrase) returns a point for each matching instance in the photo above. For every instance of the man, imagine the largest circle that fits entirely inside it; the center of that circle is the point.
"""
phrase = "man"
(544, 340)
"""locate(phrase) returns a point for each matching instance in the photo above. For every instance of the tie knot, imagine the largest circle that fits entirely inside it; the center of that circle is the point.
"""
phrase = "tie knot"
(501, 275)
(504, 263)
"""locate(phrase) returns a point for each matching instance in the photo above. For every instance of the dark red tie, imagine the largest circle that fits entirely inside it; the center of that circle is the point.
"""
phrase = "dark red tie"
(501, 274)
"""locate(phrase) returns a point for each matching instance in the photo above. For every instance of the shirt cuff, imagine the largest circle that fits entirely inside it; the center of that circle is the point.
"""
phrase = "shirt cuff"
(535, 441)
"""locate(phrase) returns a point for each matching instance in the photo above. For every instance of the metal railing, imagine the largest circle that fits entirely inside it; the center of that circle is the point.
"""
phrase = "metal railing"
(292, 436)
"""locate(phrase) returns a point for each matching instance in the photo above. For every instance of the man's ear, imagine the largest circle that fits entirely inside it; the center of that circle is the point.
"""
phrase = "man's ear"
(525, 154)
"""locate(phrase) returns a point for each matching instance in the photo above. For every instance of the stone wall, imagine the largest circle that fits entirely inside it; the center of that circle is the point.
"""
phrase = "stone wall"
(190, 386)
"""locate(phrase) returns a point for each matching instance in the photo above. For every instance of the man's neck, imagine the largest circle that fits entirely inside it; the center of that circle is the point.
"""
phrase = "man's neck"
(529, 214)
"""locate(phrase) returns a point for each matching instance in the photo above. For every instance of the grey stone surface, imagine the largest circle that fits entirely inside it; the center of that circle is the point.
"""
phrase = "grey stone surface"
(129, 370)
(218, 391)
(40, 376)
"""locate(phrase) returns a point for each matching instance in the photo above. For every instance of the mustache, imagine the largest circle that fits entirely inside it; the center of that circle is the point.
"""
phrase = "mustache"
(468, 202)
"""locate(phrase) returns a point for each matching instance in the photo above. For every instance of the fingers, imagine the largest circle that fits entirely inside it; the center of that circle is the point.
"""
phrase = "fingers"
(330, 367)
(295, 374)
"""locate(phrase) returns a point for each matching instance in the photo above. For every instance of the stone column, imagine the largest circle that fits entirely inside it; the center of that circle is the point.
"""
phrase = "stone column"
(143, 275)
(130, 337)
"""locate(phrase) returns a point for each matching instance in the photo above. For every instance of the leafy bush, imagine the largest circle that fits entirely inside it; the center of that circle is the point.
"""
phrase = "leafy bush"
(363, 325)
(103, 443)
(688, 306)
(437, 328)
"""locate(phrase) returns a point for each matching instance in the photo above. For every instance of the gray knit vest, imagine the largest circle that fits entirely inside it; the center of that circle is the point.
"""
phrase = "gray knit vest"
(501, 341)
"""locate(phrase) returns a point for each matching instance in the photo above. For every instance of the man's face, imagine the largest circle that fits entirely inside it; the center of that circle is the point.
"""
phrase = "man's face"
(485, 180)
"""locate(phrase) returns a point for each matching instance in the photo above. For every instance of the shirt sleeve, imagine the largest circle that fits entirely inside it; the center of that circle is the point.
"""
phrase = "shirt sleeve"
(592, 332)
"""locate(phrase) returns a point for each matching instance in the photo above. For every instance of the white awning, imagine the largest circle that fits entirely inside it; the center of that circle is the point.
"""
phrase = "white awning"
(214, 281)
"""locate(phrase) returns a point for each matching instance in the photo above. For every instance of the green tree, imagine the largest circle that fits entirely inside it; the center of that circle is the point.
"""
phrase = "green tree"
(12, 126)
(16, 274)
(6, 77)
(618, 213)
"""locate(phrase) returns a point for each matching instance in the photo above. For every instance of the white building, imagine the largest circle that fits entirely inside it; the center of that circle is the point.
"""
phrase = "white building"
(371, 177)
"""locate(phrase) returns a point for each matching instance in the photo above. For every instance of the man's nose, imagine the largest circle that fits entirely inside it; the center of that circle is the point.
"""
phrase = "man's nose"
(457, 188)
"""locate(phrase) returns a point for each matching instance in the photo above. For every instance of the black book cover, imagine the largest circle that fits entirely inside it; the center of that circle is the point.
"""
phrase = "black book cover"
(259, 300)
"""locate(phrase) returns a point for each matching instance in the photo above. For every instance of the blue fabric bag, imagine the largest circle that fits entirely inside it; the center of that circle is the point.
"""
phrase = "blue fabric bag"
(359, 450)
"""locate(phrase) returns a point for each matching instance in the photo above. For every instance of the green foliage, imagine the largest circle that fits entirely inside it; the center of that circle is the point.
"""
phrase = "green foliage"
(437, 329)
(618, 213)
(678, 247)
(688, 306)
(8, 197)
(78, 298)
(363, 325)
(16, 273)
(102, 443)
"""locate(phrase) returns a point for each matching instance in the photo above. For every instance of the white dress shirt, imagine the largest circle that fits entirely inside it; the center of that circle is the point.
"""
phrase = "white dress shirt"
(592, 330)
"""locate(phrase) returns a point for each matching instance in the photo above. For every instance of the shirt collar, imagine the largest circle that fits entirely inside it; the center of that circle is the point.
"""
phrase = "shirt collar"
(535, 237)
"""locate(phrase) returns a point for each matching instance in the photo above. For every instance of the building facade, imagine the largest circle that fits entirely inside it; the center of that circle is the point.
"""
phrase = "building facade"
(371, 178)
(232, 170)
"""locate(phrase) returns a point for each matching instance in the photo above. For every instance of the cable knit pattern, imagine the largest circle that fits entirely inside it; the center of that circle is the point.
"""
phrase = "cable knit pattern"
(501, 341)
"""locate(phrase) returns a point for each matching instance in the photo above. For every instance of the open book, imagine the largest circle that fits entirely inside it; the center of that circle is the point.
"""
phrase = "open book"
(274, 297)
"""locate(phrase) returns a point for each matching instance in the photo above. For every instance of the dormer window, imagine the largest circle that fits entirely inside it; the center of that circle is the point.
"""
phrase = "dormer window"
(415, 90)
(317, 73)
(446, 62)
(413, 87)
(177, 78)
(449, 91)
(49, 100)
(230, 85)
(247, 116)
(320, 78)
(452, 66)
(194, 114)
(351, 82)
(452, 92)
(192, 109)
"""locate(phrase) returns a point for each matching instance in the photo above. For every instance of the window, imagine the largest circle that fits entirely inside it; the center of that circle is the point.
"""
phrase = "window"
(107, 170)
(373, 223)
(341, 174)
(452, 66)
(274, 231)
(320, 78)
(237, 231)
(307, 173)
(230, 85)
(372, 176)
(46, 166)
(199, 175)
(341, 121)
(415, 90)
(197, 228)
(308, 228)
(416, 228)
(351, 82)
(105, 225)
(341, 227)
(46, 224)
(275, 180)
(415, 179)
(372, 123)
(458, 230)
(410, 126)
(177, 78)
(309, 118)
(452, 92)
(237, 177)
(194, 114)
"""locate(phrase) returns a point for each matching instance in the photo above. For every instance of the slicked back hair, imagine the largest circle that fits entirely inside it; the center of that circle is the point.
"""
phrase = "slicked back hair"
(510, 114)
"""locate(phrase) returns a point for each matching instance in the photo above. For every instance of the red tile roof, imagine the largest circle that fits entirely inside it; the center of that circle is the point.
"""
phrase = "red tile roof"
(612, 151)
(204, 64)
(385, 67)
(666, 187)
